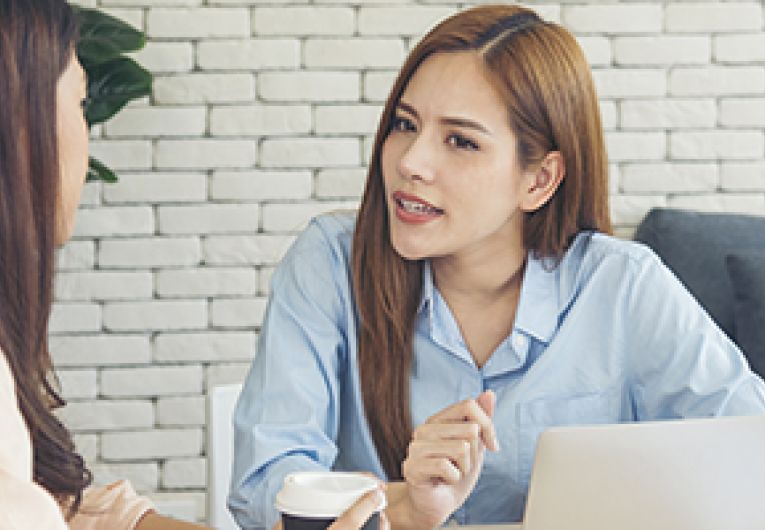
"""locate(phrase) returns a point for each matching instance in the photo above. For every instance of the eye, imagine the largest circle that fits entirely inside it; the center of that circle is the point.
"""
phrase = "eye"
(84, 103)
(460, 142)
(402, 124)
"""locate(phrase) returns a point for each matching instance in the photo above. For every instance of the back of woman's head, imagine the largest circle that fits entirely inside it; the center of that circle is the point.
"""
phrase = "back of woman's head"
(37, 40)
(544, 81)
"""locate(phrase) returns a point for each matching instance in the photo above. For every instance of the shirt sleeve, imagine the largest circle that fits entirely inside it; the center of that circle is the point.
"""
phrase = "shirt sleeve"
(287, 416)
(112, 507)
(23, 504)
(683, 364)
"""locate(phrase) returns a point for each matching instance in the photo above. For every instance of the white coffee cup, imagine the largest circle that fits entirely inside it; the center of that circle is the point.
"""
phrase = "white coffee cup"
(312, 500)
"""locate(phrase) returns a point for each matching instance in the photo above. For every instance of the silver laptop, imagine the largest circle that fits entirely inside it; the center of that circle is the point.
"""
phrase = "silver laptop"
(706, 474)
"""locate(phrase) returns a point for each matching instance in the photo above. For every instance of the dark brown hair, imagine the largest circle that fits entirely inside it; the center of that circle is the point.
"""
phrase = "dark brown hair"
(542, 76)
(37, 41)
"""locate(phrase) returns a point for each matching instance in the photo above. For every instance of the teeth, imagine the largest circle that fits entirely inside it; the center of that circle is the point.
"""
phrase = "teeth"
(416, 207)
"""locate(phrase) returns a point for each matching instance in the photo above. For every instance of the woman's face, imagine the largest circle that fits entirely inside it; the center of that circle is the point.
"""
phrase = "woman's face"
(453, 182)
(72, 136)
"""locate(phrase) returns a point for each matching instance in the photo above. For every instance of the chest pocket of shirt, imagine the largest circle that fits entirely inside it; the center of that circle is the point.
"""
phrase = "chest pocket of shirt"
(538, 415)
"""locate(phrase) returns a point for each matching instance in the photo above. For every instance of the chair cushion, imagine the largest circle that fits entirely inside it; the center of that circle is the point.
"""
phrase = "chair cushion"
(747, 275)
(694, 245)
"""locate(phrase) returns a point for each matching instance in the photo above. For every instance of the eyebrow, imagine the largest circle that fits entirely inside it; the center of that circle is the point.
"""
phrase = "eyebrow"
(448, 120)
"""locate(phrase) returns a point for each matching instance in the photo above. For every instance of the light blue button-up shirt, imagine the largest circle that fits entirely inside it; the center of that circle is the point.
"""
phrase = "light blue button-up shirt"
(608, 335)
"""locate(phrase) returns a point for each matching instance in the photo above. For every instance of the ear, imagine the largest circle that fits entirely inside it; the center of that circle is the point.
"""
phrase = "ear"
(541, 183)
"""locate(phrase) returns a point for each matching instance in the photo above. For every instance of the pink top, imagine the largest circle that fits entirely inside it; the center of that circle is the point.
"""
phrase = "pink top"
(24, 505)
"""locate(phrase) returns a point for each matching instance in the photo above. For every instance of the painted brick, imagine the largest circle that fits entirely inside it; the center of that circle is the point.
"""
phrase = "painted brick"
(181, 411)
(123, 154)
(347, 119)
(291, 20)
(209, 218)
(340, 183)
(309, 86)
(713, 17)
(665, 50)
(87, 446)
(159, 315)
(185, 473)
(625, 83)
(164, 57)
(197, 88)
(636, 145)
(146, 445)
(293, 217)
(717, 80)
(100, 350)
(260, 120)
(354, 53)
(249, 54)
(613, 18)
(743, 176)
(103, 285)
(76, 255)
(226, 374)
(310, 152)
(197, 23)
(740, 48)
(113, 221)
(205, 154)
(711, 145)
(630, 209)
(261, 185)
(204, 346)
(408, 20)
(80, 416)
(78, 384)
(242, 250)
(149, 252)
(237, 312)
(596, 49)
(157, 188)
(739, 112)
(669, 178)
(154, 121)
(200, 283)
(669, 114)
(69, 317)
(151, 381)
(377, 85)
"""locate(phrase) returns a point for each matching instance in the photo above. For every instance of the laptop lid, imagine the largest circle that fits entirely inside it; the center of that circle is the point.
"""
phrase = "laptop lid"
(704, 474)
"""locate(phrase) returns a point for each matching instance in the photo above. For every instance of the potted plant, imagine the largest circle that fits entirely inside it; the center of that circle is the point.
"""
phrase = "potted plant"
(113, 79)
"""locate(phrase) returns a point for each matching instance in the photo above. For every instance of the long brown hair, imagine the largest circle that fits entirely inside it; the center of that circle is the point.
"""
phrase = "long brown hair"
(37, 40)
(542, 76)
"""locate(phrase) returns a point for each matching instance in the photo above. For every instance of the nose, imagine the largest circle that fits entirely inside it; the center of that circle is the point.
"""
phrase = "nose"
(417, 159)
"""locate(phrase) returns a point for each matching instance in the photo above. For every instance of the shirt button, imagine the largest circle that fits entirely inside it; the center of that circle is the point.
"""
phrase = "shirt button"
(519, 342)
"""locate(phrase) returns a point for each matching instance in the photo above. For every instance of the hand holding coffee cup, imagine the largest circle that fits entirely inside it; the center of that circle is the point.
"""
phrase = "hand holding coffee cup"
(331, 501)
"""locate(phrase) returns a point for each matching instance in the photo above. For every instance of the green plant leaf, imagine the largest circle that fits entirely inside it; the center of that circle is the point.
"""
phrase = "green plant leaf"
(111, 85)
(98, 171)
(103, 37)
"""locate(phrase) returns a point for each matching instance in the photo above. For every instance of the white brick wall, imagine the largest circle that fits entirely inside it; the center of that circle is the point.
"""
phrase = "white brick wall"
(262, 116)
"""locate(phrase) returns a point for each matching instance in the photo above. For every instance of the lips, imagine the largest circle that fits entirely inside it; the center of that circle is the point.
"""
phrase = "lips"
(413, 209)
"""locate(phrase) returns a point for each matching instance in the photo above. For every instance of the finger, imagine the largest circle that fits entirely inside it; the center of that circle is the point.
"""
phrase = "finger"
(384, 522)
(447, 431)
(357, 515)
(488, 402)
(429, 470)
(459, 452)
(469, 411)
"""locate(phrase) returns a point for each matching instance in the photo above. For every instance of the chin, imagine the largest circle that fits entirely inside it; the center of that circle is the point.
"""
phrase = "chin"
(407, 250)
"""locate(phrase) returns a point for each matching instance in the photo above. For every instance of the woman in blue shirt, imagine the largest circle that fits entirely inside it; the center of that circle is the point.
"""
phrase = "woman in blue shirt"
(476, 296)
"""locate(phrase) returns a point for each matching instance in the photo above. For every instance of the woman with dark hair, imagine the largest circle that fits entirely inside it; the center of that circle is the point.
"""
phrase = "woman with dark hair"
(43, 163)
(476, 299)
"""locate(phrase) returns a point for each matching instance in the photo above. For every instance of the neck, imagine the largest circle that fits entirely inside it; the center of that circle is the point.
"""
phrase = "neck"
(481, 277)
